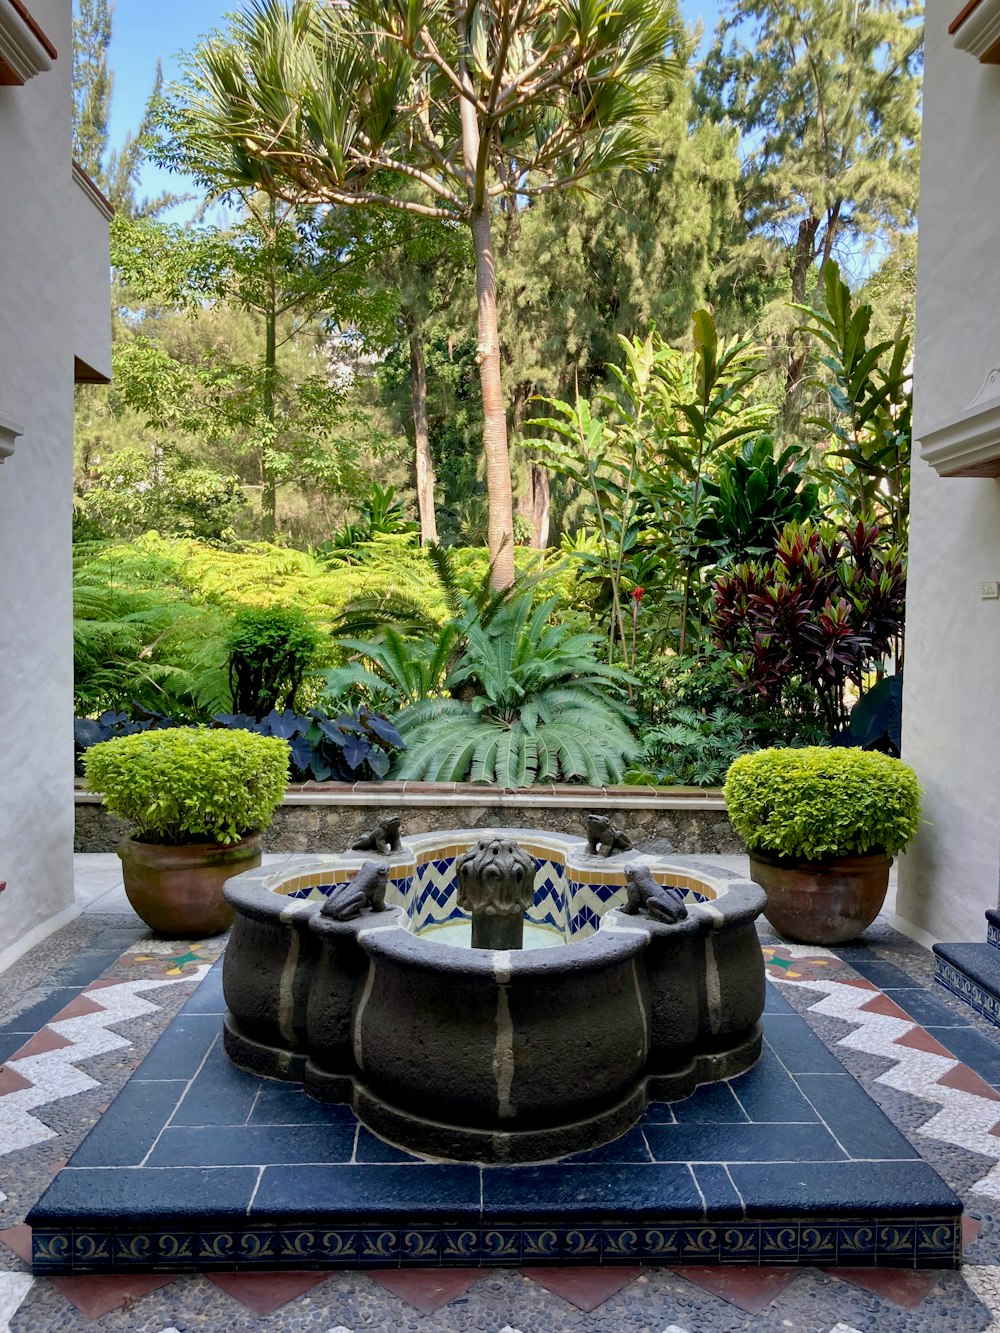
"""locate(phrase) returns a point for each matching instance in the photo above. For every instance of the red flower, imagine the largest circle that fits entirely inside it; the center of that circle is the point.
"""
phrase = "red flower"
(637, 595)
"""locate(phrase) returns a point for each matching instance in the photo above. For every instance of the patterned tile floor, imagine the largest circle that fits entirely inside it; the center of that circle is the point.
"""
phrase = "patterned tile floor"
(83, 1008)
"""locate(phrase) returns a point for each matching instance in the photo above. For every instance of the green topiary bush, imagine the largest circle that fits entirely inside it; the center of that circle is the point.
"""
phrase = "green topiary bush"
(269, 649)
(190, 784)
(819, 802)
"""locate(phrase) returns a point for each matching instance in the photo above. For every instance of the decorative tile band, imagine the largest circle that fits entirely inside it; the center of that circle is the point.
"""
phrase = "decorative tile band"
(993, 935)
(903, 1243)
(571, 903)
(968, 990)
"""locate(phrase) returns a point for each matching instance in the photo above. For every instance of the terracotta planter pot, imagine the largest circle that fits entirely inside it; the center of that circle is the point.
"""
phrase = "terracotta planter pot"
(178, 890)
(822, 902)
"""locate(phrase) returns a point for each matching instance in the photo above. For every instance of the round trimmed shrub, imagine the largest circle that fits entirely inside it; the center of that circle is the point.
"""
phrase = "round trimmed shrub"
(189, 784)
(818, 802)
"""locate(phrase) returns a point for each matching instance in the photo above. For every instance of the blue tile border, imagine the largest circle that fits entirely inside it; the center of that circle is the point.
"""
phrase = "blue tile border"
(967, 990)
(905, 1242)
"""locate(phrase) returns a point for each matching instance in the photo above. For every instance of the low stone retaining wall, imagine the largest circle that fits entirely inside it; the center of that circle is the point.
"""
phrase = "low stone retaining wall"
(329, 816)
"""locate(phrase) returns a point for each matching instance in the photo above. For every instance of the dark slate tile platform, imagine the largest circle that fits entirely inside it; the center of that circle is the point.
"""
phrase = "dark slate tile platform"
(198, 1165)
(972, 972)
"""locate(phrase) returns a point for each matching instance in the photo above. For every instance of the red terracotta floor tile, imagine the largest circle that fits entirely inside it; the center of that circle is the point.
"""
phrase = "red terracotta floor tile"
(967, 1080)
(95, 1294)
(12, 1081)
(78, 1008)
(919, 1040)
(586, 1288)
(971, 1227)
(901, 1286)
(265, 1292)
(43, 1040)
(428, 1288)
(18, 1239)
(881, 1004)
(744, 1285)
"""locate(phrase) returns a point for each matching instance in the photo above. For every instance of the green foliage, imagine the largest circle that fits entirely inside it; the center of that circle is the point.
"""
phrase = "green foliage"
(131, 492)
(752, 497)
(381, 515)
(530, 702)
(269, 650)
(871, 394)
(694, 724)
(817, 802)
(138, 642)
(190, 785)
(691, 749)
(640, 460)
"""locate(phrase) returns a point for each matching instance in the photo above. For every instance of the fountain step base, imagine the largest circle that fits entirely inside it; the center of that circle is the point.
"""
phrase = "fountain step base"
(214, 1168)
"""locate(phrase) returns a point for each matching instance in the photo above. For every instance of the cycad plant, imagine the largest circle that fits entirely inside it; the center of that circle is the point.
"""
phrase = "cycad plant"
(528, 701)
(498, 695)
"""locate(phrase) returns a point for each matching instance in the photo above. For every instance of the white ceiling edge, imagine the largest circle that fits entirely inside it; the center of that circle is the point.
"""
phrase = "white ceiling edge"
(9, 432)
(980, 32)
(19, 46)
(969, 442)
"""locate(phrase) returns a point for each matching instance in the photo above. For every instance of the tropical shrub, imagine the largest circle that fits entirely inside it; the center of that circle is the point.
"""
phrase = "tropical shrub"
(190, 784)
(820, 802)
(695, 724)
(755, 494)
(381, 515)
(870, 393)
(268, 651)
(528, 702)
(823, 613)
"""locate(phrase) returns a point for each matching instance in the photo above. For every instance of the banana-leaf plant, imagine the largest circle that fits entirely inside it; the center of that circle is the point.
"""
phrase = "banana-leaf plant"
(871, 398)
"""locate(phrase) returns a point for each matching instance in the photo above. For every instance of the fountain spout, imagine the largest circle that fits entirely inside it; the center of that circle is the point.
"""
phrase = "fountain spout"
(496, 884)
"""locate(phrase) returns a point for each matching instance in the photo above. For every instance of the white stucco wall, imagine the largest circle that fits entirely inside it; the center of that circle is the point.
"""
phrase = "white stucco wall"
(39, 206)
(951, 714)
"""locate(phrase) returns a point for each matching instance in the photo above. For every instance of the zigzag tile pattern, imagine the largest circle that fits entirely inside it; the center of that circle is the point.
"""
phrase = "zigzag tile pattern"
(969, 1108)
(45, 1069)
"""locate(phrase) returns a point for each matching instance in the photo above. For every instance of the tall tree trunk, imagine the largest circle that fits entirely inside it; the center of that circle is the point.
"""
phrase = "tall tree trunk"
(422, 446)
(498, 484)
(269, 491)
(541, 499)
(533, 504)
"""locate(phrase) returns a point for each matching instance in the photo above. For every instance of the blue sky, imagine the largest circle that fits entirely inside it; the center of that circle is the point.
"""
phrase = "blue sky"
(147, 29)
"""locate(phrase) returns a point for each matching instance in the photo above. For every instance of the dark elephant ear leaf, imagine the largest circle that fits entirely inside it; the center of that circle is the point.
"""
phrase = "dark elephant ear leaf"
(378, 762)
(302, 754)
(383, 729)
(356, 751)
(877, 717)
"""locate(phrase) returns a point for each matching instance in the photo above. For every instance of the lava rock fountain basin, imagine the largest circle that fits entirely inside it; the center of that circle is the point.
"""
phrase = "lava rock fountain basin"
(493, 1055)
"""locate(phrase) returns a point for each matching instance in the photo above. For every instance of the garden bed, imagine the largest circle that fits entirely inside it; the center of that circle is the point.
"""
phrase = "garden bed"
(329, 816)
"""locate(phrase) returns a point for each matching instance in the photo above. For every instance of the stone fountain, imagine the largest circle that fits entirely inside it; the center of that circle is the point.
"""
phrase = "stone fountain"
(361, 980)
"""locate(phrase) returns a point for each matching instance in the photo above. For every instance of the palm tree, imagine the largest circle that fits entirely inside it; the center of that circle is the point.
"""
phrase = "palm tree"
(438, 108)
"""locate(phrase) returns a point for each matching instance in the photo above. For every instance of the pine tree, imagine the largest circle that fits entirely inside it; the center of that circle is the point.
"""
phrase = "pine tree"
(826, 97)
(92, 83)
(116, 171)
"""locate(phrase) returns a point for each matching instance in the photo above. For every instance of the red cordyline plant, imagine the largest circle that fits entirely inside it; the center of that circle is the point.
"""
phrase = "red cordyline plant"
(825, 611)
